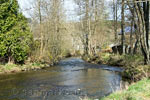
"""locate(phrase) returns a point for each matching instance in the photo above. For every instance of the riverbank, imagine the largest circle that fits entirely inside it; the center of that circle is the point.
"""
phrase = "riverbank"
(14, 68)
(133, 65)
(137, 91)
(71, 78)
(9, 68)
(135, 72)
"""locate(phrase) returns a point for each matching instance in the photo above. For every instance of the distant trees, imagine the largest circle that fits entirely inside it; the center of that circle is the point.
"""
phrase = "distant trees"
(142, 13)
(92, 14)
(49, 28)
(15, 36)
(140, 17)
(39, 8)
(122, 26)
(115, 6)
(134, 14)
(84, 10)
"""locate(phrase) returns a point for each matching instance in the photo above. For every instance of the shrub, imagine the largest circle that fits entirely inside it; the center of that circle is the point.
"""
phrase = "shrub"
(15, 37)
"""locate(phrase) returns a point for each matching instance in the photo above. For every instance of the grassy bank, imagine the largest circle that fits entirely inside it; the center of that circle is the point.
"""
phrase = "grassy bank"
(14, 68)
(33, 63)
(137, 91)
(134, 72)
(116, 59)
(134, 68)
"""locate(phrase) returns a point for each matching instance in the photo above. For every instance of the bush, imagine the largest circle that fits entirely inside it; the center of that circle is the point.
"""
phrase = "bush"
(15, 37)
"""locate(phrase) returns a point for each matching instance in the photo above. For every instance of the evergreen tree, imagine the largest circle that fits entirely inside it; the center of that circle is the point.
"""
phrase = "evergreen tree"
(15, 36)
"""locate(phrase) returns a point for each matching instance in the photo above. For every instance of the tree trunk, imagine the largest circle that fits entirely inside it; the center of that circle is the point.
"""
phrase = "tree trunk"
(41, 34)
(122, 28)
(143, 22)
(146, 16)
(86, 49)
(116, 20)
(115, 11)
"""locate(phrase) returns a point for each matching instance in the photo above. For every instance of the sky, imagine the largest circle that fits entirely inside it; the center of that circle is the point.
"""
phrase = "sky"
(27, 4)
(69, 5)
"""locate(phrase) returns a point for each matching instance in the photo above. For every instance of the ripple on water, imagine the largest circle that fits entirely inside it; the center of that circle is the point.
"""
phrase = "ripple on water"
(71, 79)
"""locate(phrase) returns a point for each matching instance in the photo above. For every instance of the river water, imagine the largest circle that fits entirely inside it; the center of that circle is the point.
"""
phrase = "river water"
(71, 79)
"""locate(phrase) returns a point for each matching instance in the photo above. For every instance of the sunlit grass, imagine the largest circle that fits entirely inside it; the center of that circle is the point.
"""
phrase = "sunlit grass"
(137, 91)
(13, 68)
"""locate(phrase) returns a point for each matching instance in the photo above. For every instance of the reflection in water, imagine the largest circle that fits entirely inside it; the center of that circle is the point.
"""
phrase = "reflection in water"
(70, 79)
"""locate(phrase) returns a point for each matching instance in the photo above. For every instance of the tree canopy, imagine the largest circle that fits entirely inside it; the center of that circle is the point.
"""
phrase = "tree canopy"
(15, 36)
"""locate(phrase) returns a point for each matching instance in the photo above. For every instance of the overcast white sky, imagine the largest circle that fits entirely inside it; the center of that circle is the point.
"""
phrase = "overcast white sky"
(69, 5)
(26, 4)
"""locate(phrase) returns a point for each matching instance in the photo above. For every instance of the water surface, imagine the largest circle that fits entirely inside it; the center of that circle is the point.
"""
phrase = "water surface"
(71, 79)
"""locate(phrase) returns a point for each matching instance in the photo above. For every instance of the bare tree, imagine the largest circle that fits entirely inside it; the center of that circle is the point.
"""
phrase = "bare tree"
(91, 13)
(122, 27)
(50, 27)
(115, 17)
(141, 12)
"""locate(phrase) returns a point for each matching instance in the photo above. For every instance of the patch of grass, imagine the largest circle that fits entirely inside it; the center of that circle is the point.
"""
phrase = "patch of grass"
(13, 68)
(105, 57)
(9, 67)
(137, 91)
(130, 60)
(120, 60)
(133, 65)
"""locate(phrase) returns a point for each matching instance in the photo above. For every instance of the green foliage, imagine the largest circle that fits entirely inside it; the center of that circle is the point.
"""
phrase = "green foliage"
(9, 66)
(12, 68)
(15, 37)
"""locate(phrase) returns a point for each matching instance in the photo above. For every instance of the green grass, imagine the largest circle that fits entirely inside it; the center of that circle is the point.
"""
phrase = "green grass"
(119, 60)
(137, 91)
(12, 68)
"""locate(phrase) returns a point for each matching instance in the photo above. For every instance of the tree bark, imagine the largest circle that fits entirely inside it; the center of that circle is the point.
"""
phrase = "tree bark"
(86, 48)
(115, 11)
(122, 28)
(142, 15)
(116, 20)
(41, 34)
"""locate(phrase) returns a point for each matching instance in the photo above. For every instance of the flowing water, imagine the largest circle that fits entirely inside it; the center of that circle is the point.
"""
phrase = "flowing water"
(71, 79)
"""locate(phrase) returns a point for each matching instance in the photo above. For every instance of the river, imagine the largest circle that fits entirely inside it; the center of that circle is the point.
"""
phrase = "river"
(70, 79)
